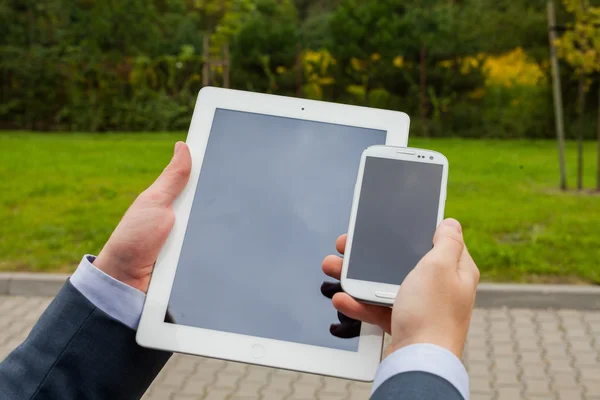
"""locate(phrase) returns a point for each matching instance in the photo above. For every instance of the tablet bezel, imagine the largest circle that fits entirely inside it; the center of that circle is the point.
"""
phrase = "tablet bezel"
(153, 332)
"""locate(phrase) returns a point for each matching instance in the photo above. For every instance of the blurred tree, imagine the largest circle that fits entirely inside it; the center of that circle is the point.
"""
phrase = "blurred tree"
(580, 47)
(264, 49)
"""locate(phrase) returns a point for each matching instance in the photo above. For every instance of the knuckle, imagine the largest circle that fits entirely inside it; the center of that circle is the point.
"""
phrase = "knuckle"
(152, 196)
(177, 171)
(476, 273)
(436, 260)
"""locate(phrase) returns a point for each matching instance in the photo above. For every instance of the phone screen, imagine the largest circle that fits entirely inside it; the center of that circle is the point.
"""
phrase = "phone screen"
(395, 220)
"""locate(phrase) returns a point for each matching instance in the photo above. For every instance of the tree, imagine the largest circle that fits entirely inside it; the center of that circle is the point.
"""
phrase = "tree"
(557, 94)
(580, 47)
(264, 49)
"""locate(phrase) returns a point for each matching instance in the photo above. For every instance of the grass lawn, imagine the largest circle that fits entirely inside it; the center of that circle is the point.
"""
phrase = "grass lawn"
(61, 195)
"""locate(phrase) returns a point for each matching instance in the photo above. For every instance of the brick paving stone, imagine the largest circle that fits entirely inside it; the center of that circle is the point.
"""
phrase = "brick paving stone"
(534, 371)
(333, 385)
(478, 355)
(182, 396)
(479, 369)
(565, 381)
(505, 363)
(285, 374)
(482, 396)
(194, 387)
(480, 385)
(233, 368)
(248, 389)
(591, 373)
(537, 387)
(570, 395)
(309, 379)
(503, 350)
(331, 396)
(304, 391)
(183, 363)
(581, 346)
(592, 387)
(531, 357)
(560, 366)
(554, 352)
(275, 393)
(359, 396)
(528, 344)
(218, 394)
(510, 354)
(586, 359)
(226, 381)
(159, 392)
(506, 379)
(173, 378)
(509, 393)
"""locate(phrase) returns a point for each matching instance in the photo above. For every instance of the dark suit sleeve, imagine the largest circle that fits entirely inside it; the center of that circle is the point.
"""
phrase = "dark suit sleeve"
(416, 386)
(76, 351)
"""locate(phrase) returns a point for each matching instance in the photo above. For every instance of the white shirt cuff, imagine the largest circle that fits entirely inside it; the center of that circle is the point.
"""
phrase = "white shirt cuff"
(119, 300)
(424, 357)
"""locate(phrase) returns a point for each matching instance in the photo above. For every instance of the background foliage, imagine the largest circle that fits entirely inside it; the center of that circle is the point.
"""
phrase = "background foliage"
(476, 68)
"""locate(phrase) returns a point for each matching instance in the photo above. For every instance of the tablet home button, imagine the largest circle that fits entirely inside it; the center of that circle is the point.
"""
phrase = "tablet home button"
(385, 295)
(258, 351)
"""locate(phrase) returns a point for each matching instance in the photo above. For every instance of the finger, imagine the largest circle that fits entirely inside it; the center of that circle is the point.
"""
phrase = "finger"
(332, 266)
(340, 243)
(329, 289)
(344, 319)
(173, 179)
(372, 314)
(467, 269)
(345, 330)
(448, 242)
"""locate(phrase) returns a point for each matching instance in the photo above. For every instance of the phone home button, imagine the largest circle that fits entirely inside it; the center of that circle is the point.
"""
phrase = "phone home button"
(385, 295)
(257, 351)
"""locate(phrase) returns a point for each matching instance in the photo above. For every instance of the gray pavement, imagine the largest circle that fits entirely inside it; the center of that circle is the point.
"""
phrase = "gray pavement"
(510, 354)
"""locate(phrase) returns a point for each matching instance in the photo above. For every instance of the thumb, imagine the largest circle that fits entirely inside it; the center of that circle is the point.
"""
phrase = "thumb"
(448, 242)
(173, 179)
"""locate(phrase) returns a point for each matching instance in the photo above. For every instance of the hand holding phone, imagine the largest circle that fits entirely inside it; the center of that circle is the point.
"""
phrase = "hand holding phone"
(434, 303)
(398, 202)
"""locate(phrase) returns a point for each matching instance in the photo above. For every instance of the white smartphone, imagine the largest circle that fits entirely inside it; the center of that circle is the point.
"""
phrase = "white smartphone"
(399, 201)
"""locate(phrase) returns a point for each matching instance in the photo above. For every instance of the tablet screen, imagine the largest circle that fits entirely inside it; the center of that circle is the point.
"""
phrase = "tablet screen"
(273, 195)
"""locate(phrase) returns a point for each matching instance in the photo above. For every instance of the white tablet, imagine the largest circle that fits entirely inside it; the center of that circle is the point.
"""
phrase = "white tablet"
(270, 191)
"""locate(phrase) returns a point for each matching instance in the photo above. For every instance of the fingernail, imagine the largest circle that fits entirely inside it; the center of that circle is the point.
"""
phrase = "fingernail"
(454, 224)
(177, 147)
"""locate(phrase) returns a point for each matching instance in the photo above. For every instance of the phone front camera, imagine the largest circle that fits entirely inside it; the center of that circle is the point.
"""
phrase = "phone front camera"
(431, 157)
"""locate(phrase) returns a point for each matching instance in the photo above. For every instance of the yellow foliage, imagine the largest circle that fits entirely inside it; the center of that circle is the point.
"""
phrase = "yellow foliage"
(316, 65)
(478, 93)
(580, 45)
(509, 69)
(512, 68)
(375, 57)
(356, 90)
(398, 61)
(446, 64)
(281, 70)
(357, 64)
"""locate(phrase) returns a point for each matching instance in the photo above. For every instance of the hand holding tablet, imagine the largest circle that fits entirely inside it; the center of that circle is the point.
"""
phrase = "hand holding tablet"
(270, 189)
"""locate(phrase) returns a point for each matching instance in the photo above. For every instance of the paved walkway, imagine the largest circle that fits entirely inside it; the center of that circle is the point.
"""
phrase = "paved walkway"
(510, 354)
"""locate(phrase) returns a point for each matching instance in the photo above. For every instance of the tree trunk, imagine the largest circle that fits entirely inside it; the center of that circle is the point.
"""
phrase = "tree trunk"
(580, 115)
(226, 65)
(558, 105)
(299, 69)
(423, 90)
(598, 172)
(205, 60)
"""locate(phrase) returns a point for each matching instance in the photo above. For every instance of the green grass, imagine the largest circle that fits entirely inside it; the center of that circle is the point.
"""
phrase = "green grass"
(61, 195)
